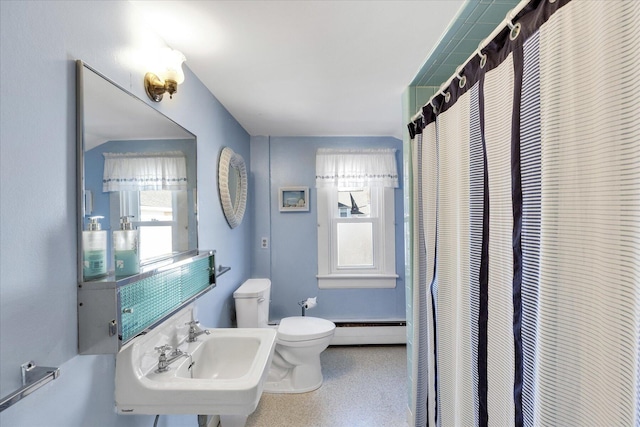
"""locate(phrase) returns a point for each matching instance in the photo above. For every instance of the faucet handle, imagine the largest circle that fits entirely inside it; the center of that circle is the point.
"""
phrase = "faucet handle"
(193, 323)
(163, 348)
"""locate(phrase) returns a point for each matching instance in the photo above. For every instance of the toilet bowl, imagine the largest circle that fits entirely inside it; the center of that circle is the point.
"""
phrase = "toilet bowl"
(296, 364)
(296, 361)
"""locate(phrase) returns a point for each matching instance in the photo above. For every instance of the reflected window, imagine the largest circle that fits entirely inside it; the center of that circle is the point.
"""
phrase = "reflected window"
(155, 242)
(156, 206)
(159, 215)
(156, 236)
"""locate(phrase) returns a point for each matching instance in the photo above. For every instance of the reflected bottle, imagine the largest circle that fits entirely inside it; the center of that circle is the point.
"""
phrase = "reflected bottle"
(94, 250)
(125, 249)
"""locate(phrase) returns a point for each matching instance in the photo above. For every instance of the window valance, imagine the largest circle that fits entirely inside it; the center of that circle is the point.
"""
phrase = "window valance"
(144, 171)
(356, 168)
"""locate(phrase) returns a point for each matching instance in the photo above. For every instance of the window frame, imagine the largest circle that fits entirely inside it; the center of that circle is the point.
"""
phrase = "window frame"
(383, 272)
(336, 268)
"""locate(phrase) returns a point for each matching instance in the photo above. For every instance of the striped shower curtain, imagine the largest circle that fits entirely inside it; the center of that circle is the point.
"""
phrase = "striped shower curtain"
(527, 224)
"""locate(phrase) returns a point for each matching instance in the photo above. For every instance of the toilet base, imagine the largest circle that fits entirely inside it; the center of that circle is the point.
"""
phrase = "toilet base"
(233, 420)
(298, 379)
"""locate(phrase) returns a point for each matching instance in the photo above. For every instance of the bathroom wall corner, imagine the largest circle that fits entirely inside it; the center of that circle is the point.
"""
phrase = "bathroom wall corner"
(260, 200)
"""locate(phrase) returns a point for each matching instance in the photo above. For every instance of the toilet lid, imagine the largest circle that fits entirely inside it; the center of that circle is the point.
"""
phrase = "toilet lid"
(302, 328)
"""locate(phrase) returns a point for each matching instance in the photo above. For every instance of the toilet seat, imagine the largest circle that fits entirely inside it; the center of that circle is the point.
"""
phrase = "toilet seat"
(304, 328)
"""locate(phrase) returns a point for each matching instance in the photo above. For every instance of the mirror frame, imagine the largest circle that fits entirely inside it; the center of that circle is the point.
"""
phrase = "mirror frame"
(232, 212)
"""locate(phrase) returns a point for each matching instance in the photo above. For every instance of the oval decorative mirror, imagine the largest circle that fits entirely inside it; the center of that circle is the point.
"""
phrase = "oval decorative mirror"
(232, 185)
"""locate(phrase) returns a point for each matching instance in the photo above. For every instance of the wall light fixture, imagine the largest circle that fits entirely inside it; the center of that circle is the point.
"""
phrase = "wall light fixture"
(165, 76)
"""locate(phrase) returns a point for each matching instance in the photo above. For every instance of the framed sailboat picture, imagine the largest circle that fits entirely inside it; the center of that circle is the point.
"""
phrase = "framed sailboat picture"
(293, 199)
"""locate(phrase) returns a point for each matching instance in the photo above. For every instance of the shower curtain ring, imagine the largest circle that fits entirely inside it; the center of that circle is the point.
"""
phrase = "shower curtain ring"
(433, 107)
(445, 95)
(462, 80)
(515, 30)
(483, 58)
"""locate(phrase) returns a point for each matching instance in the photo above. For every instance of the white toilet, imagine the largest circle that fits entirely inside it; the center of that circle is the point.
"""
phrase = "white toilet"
(299, 342)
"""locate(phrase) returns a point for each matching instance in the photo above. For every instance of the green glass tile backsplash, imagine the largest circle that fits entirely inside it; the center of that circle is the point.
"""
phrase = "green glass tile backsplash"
(146, 301)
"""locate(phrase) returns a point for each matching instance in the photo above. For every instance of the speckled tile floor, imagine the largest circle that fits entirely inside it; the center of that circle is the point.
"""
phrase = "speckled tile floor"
(364, 386)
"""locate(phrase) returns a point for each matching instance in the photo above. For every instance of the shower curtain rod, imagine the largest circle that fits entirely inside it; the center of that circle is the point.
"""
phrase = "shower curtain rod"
(506, 22)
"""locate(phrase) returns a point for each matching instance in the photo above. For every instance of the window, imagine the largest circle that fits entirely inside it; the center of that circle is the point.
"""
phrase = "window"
(158, 215)
(150, 188)
(356, 232)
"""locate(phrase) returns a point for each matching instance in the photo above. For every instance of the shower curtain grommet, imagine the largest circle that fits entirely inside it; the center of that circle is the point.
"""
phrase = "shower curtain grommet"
(433, 107)
(515, 30)
(462, 80)
(483, 59)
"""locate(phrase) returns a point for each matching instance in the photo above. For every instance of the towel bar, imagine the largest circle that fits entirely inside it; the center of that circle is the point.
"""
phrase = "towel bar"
(33, 377)
(222, 270)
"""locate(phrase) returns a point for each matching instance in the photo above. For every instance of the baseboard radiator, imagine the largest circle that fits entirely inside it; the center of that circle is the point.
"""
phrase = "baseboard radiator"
(363, 333)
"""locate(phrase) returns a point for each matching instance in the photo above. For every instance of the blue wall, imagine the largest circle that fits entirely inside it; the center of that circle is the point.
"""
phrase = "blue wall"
(38, 316)
(291, 259)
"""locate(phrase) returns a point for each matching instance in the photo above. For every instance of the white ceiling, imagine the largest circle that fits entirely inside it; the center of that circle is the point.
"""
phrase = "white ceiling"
(306, 68)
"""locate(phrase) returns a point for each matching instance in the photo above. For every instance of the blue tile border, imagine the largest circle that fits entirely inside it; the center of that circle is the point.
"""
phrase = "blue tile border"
(475, 22)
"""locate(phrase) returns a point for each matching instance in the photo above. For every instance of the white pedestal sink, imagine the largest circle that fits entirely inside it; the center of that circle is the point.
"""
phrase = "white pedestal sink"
(221, 373)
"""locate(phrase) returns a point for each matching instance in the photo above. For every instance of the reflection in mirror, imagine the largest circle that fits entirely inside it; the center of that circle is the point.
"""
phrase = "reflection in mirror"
(232, 186)
(234, 181)
(137, 170)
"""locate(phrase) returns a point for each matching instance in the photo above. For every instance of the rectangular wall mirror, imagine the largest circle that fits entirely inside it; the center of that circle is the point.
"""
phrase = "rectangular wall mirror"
(136, 174)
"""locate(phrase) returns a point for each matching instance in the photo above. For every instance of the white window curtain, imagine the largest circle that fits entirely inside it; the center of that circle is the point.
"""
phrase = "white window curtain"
(356, 168)
(144, 171)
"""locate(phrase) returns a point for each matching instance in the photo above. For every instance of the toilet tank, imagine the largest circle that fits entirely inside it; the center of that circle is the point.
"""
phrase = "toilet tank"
(252, 303)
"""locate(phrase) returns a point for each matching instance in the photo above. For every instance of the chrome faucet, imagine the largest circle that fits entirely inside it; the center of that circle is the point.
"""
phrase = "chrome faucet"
(164, 361)
(195, 331)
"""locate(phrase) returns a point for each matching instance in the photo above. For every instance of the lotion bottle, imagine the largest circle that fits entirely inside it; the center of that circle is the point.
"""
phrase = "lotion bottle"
(94, 250)
(125, 249)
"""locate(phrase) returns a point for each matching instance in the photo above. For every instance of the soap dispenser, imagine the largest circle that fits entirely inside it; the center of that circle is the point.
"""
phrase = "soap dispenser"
(94, 249)
(125, 248)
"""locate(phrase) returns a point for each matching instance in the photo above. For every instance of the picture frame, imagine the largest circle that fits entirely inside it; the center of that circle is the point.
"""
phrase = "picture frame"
(293, 199)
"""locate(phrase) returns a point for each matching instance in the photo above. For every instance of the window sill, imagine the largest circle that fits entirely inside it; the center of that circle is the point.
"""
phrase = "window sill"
(357, 281)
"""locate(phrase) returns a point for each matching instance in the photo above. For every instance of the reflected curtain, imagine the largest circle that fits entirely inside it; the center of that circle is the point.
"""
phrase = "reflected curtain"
(144, 171)
(527, 214)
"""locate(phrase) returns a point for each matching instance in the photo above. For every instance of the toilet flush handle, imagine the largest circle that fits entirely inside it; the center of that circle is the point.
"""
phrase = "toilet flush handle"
(260, 300)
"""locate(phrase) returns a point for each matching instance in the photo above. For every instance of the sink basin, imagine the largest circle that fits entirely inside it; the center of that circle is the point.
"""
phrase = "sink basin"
(227, 356)
(223, 373)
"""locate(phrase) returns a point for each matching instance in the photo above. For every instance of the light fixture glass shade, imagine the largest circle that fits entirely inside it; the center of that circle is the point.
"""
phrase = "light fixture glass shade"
(165, 74)
(172, 66)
